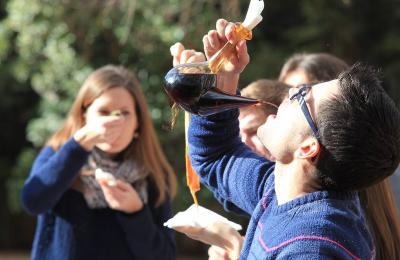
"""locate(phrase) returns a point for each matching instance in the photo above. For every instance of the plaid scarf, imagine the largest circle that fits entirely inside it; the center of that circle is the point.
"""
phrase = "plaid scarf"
(127, 170)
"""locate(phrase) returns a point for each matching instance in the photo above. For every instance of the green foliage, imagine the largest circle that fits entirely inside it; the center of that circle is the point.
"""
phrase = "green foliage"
(18, 174)
(51, 47)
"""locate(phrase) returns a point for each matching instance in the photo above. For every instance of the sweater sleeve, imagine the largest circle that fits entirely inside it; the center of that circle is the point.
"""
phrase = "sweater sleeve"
(226, 165)
(147, 237)
(51, 175)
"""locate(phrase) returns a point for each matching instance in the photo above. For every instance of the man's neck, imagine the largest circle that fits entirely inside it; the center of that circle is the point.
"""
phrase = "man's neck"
(293, 180)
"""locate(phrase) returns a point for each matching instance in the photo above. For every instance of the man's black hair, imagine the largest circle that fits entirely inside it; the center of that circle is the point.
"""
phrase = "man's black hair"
(360, 132)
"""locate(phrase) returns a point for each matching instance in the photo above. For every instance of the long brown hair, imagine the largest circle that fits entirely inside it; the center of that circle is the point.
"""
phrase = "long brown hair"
(383, 219)
(377, 200)
(319, 67)
(146, 148)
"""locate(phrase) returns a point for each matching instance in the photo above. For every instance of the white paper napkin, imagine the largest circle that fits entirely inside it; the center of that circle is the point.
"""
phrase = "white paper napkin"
(198, 216)
(253, 16)
(100, 174)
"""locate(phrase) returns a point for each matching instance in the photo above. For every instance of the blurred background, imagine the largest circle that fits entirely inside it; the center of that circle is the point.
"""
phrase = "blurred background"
(48, 47)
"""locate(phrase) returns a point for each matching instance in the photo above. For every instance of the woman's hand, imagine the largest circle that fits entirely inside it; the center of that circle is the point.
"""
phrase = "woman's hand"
(121, 197)
(218, 234)
(106, 129)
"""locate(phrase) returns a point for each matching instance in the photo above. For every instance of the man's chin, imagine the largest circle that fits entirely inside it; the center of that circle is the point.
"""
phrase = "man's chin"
(266, 154)
(269, 157)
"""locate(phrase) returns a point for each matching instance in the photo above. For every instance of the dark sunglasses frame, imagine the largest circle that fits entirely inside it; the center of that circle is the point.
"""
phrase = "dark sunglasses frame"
(299, 96)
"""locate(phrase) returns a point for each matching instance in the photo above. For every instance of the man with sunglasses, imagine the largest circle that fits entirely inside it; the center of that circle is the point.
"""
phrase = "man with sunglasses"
(328, 140)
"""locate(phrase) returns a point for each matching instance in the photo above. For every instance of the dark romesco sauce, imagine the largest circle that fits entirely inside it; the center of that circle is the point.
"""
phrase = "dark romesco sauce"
(197, 93)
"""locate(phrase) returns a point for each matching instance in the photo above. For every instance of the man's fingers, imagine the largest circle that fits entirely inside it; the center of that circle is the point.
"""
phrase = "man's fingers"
(185, 55)
(213, 39)
(190, 230)
(230, 33)
(216, 252)
(220, 26)
(243, 55)
(176, 51)
(196, 57)
(208, 49)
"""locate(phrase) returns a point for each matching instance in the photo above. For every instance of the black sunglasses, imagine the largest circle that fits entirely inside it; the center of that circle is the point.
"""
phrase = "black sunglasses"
(299, 96)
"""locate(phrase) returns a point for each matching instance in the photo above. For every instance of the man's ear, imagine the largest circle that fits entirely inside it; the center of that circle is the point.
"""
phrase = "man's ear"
(308, 149)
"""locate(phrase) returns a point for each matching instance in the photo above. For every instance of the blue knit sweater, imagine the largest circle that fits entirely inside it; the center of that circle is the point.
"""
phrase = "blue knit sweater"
(319, 225)
(68, 229)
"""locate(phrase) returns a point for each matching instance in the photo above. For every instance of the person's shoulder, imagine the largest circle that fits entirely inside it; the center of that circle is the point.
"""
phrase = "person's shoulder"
(333, 226)
(330, 204)
(305, 249)
(321, 240)
(326, 234)
(321, 226)
(331, 211)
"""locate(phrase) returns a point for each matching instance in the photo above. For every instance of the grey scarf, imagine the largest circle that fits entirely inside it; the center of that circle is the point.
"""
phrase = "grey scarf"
(127, 170)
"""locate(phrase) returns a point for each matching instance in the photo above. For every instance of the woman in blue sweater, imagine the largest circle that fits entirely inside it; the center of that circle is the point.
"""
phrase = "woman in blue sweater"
(102, 187)
(327, 140)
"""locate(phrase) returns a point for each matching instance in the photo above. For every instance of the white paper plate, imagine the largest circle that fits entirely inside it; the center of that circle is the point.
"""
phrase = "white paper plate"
(198, 216)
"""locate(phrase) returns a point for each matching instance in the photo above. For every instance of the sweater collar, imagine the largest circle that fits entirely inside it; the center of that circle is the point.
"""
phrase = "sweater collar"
(310, 198)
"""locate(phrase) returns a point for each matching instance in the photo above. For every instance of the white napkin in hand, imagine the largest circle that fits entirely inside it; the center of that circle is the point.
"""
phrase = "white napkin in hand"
(198, 216)
(253, 16)
(100, 174)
